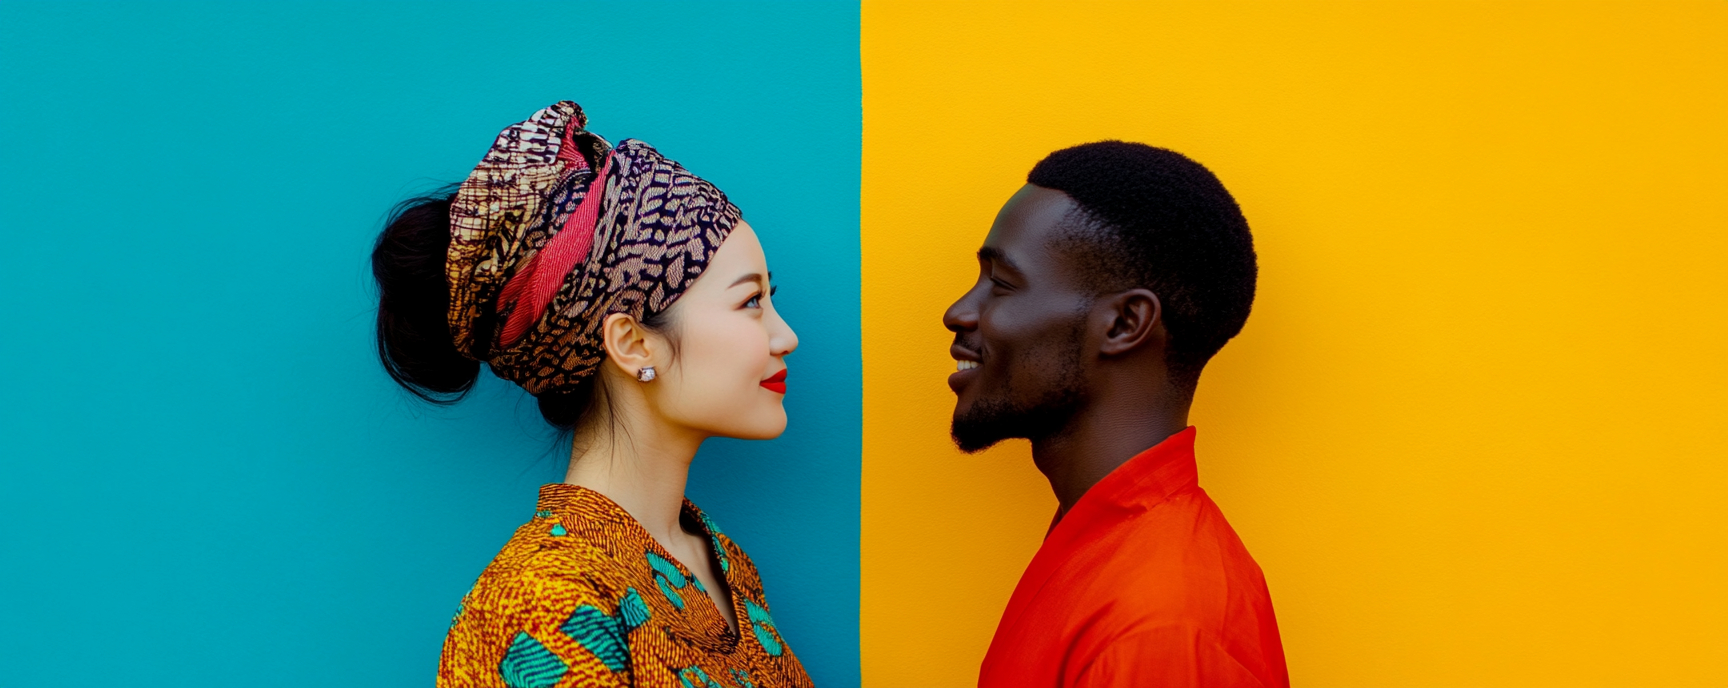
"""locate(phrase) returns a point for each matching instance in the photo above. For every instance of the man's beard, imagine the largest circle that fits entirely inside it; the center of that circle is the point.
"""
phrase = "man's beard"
(989, 421)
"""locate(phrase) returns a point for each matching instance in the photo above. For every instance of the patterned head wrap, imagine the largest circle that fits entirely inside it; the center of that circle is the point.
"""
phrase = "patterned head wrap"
(555, 230)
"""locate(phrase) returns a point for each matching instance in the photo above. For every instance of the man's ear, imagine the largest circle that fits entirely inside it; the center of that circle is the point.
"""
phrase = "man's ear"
(1136, 320)
(627, 344)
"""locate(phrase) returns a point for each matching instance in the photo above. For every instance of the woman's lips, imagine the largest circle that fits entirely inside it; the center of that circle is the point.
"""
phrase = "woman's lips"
(776, 383)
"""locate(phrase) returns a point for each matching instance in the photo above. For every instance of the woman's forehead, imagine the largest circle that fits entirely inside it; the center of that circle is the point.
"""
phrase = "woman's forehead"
(739, 262)
(741, 253)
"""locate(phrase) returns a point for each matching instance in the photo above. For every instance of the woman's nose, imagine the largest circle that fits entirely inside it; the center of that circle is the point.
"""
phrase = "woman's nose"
(782, 340)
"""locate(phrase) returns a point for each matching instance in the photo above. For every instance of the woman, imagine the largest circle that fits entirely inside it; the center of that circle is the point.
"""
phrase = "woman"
(632, 300)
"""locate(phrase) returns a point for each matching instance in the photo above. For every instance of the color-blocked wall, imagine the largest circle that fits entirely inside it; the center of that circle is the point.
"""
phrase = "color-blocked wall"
(207, 478)
(1475, 429)
(1473, 432)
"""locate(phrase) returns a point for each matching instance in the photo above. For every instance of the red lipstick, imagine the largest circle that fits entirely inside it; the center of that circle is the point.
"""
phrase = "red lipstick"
(776, 383)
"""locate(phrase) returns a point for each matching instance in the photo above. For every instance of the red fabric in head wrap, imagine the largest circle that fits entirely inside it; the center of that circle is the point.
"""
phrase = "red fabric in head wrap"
(545, 272)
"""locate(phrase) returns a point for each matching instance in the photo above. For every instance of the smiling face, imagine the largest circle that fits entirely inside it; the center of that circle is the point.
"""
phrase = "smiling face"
(1019, 332)
(726, 376)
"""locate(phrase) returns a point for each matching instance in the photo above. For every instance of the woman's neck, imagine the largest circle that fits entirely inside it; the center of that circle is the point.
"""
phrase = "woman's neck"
(639, 464)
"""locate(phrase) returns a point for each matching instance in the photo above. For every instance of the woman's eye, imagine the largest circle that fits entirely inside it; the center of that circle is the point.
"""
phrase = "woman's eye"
(754, 302)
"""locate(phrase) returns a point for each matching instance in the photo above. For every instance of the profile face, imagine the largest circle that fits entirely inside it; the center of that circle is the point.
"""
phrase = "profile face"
(728, 374)
(1018, 332)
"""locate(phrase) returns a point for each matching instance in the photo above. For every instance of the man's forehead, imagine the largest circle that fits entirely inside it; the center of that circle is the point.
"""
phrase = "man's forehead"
(1027, 221)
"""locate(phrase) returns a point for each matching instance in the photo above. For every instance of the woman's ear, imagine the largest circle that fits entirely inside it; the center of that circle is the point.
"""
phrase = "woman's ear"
(627, 343)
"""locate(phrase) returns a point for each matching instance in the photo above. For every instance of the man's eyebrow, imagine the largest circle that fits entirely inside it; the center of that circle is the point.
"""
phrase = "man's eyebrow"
(752, 277)
(993, 254)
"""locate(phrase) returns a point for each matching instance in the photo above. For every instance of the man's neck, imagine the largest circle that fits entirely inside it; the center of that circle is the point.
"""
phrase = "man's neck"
(1103, 435)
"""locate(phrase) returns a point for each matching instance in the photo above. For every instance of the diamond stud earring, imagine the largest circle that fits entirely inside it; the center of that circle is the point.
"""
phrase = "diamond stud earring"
(645, 374)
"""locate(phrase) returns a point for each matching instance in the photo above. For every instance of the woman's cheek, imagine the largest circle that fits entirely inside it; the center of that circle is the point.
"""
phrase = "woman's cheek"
(761, 407)
(730, 366)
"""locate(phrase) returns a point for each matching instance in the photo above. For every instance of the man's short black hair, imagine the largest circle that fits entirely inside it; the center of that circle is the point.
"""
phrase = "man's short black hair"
(1151, 218)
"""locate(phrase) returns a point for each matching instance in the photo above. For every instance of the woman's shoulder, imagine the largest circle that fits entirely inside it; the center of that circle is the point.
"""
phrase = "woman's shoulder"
(549, 603)
(525, 569)
(547, 556)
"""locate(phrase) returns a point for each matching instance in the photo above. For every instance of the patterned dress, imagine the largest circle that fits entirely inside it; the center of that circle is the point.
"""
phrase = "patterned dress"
(583, 596)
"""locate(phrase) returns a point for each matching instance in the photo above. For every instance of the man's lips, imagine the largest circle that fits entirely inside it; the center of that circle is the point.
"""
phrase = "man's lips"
(967, 363)
(776, 383)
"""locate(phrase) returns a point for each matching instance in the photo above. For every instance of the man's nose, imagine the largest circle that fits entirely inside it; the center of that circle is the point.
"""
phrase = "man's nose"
(962, 315)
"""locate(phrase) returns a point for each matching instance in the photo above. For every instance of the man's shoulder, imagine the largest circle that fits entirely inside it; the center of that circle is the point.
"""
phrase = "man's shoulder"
(1203, 599)
(1164, 581)
(1186, 530)
(1177, 560)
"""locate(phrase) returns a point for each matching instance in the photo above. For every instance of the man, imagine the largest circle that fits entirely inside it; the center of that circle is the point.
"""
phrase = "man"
(1104, 286)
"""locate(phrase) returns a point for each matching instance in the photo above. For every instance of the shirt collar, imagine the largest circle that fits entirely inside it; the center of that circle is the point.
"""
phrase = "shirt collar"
(588, 504)
(1152, 475)
(1138, 484)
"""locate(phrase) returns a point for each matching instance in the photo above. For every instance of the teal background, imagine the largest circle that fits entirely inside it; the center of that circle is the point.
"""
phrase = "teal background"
(207, 479)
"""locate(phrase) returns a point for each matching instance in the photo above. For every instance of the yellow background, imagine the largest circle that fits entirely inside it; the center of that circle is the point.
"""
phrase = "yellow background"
(1476, 429)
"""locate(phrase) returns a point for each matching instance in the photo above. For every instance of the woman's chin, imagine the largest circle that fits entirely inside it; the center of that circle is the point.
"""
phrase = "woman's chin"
(765, 426)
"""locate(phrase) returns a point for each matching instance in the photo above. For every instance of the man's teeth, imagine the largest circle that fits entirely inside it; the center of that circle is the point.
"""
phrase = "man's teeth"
(965, 365)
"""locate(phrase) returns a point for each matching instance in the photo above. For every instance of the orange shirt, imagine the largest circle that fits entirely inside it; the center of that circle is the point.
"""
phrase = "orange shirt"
(1142, 583)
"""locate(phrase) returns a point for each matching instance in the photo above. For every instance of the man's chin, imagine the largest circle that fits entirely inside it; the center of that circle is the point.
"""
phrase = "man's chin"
(982, 424)
(973, 445)
(972, 436)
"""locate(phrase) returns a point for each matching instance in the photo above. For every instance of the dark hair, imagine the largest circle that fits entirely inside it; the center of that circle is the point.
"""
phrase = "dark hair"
(414, 340)
(1151, 218)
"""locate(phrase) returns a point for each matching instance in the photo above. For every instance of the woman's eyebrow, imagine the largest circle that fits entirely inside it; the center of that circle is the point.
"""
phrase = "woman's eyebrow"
(752, 277)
